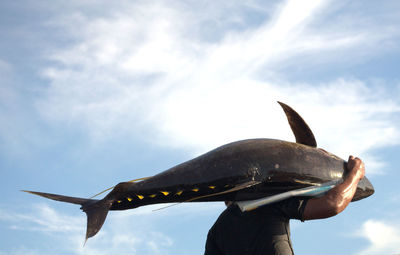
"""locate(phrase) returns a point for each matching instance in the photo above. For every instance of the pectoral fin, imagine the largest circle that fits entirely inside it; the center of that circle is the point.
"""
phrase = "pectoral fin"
(311, 191)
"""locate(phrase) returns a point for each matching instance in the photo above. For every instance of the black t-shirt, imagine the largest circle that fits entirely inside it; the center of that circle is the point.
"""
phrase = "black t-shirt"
(262, 231)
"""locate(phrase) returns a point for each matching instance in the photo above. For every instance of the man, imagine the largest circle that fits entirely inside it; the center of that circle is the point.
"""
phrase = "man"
(266, 229)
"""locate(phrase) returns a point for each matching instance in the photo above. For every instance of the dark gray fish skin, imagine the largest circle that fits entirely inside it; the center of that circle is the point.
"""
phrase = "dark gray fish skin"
(268, 166)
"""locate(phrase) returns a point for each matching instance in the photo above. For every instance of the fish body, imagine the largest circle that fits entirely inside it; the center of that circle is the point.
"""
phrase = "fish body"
(261, 167)
(239, 171)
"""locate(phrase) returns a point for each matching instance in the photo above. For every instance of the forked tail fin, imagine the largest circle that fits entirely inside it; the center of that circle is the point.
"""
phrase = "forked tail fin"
(96, 213)
(96, 210)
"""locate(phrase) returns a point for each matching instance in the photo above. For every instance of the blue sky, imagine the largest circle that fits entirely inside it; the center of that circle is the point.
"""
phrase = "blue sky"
(93, 93)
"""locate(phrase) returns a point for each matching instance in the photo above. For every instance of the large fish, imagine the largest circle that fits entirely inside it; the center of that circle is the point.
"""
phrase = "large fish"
(238, 171)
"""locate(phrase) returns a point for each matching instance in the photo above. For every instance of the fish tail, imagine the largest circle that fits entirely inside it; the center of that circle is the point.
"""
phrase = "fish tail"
(96, 210)
(96, 213)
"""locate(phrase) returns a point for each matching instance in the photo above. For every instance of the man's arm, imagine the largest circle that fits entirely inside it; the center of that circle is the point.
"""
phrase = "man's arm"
(337, 199)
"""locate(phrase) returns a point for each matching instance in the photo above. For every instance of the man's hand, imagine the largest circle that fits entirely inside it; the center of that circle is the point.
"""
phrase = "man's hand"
(356, 166)
(338, 198)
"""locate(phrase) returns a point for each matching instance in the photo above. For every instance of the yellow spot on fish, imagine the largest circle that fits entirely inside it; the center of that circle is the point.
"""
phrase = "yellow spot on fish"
(152, 195)
(119, 201)
(195, 189)
(211, 187)
(179, 192)
(140, 197)
(129, 199)
(165, 193)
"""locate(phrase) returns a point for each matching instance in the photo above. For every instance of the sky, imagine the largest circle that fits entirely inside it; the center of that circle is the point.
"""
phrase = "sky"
(93, 93)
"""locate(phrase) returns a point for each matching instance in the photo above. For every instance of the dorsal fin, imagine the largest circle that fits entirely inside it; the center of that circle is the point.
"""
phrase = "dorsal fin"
(299, 127)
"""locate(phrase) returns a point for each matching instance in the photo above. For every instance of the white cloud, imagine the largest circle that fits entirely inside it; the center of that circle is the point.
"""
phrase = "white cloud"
(70, 229)
(127, 232)
(383, 237)
(142, 70)
(18, 131)
(43, 218)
